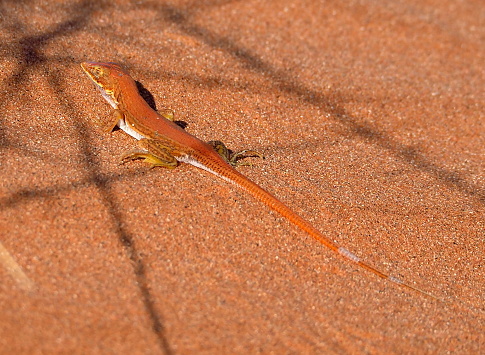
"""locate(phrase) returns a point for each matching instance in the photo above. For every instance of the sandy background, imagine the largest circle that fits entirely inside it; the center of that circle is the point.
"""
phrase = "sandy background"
(371, 117)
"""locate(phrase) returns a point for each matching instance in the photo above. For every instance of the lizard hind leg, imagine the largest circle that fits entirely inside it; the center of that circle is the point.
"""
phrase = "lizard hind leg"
(152, 152)
(234, 158)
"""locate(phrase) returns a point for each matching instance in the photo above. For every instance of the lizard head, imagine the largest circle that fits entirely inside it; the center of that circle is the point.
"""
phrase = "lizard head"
(107, 77)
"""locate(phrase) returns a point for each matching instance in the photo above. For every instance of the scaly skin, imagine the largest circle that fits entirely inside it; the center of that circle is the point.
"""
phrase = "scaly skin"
(163, 143)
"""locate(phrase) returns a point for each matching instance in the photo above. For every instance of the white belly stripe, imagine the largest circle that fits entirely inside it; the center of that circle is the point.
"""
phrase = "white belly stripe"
(192, 161)
(127, 128)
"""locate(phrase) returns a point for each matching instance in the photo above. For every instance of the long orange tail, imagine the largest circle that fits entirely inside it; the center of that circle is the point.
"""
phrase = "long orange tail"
(271, 201)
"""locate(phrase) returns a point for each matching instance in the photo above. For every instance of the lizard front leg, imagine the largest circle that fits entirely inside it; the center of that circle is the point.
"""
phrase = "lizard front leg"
(234, 158)
(108, 124)
(153, 152)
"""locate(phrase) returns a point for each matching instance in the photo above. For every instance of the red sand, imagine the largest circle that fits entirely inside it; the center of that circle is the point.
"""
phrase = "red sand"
(371, 116)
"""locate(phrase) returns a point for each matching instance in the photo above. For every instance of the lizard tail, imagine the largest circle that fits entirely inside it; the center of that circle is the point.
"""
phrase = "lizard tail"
(278, 206)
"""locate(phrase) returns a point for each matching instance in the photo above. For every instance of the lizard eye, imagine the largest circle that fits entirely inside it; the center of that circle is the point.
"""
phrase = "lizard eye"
(98, 72)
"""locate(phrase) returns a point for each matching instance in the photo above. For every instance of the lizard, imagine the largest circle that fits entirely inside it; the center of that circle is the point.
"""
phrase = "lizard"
(164, 143)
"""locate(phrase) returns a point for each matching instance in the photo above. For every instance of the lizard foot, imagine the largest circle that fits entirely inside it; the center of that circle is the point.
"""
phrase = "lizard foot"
(152, 152)
(167, 113)
(234, 158)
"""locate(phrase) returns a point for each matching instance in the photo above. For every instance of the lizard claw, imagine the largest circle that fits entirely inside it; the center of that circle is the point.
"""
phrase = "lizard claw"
(234, 159)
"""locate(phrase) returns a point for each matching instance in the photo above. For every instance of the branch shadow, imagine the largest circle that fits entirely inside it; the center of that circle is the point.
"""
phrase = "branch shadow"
(287, 85)
(32, 58)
